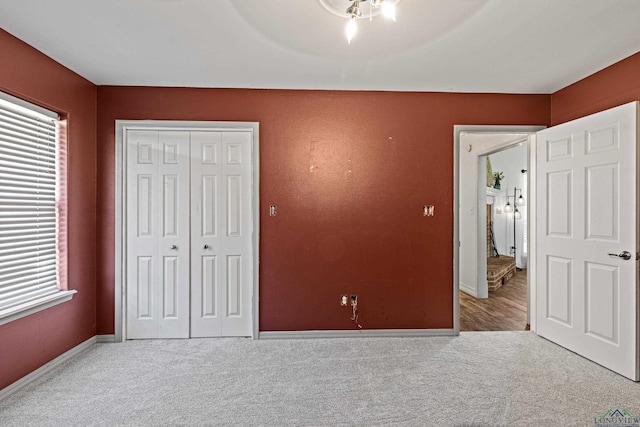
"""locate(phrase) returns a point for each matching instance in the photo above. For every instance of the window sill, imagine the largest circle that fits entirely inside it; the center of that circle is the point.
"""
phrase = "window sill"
(31, 307)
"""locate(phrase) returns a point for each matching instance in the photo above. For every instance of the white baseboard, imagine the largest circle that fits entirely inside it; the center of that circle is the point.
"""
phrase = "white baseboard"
(372, 333)
(44, 369)
(105, 339)
(468, 290)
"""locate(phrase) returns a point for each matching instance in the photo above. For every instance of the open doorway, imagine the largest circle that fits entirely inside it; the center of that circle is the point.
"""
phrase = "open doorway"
(502, 303)
(498, 301)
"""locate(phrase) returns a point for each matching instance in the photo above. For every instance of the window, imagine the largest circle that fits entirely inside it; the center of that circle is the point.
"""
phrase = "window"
(32, 209)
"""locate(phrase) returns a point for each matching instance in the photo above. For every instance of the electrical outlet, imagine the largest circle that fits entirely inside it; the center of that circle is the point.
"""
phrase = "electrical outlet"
(343, 300)
(354, 299)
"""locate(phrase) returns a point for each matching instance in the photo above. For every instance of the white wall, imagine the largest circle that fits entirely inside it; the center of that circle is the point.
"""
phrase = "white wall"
(468, 218)
(511, 162)
(472, 214)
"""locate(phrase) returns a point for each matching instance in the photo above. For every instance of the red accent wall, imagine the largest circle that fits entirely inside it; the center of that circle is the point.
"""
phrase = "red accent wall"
(30, 342)
(615, 85)
(354, 224)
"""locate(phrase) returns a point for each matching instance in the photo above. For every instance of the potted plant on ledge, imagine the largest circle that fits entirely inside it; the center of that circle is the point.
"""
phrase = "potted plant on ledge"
(497, 177)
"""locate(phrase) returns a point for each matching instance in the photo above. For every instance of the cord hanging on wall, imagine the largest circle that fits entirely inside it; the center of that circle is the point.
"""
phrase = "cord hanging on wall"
(354, 306)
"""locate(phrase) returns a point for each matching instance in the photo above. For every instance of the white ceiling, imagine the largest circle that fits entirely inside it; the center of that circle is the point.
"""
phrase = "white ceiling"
(505, 46)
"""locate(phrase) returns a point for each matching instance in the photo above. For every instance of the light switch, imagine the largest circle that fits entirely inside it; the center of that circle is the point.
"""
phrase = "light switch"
(428, 210)
(273, 210)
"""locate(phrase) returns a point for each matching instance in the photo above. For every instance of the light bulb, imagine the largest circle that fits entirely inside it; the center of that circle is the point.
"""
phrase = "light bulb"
(508, 208)
(352, 28)
(389, 10)
(521, 201)
(516, 214)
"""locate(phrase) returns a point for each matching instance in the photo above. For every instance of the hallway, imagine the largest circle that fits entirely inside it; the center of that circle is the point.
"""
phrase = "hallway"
(504, 310)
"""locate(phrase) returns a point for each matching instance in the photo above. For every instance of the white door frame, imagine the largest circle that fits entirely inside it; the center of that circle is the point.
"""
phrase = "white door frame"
(457, 130)
(120, 215)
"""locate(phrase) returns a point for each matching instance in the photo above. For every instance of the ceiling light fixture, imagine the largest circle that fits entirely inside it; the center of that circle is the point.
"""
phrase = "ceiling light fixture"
(387, 7)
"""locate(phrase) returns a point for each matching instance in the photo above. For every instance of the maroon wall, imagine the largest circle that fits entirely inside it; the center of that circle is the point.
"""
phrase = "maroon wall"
(32, 341)
(354, 225)
(613, 86)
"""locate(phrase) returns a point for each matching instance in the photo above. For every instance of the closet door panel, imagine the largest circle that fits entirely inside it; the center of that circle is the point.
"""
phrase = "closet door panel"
(221, 218)
(157, 227)
(205, 223)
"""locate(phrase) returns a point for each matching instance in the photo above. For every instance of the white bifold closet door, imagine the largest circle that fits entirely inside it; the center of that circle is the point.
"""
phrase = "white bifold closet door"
(221, 258)
(189, 233)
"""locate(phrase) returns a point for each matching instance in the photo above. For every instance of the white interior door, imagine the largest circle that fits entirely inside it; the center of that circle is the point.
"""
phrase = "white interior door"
(587, 298)
(157, 234)
(221, 245)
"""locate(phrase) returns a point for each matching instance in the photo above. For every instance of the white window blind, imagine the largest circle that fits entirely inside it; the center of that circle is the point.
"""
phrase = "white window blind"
(32, 204)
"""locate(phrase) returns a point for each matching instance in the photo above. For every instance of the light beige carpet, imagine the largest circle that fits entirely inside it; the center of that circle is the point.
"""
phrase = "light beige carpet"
(478, 378)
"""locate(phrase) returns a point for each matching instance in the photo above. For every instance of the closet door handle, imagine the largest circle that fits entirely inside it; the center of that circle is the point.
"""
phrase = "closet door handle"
(173, 247)
(207, 246)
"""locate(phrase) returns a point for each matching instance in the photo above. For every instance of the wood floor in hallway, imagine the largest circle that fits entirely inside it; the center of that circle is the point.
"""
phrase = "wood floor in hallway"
(504, 310)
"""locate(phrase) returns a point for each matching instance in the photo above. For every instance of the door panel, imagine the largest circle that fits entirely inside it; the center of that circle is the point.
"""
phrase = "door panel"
(205, 245)
(170, 288)
(601, 305)
(602, 202)
(559, 215)
(234, 207)
(142, 158)
(208, 287)
(234, 285)
(559, 285)
(221, 237)
(238, 276)
(209, 196)
(143, 288)
(587, 300)
(143, 213)
(157, 234)
(170, 206)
